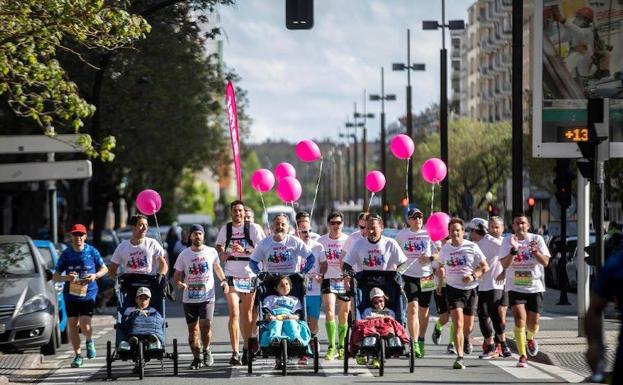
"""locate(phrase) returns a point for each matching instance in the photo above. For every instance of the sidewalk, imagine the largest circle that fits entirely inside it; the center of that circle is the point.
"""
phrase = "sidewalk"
(559, 344)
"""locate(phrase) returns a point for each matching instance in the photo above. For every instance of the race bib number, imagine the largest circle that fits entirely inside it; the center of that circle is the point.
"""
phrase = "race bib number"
(428, 283)
(196, 292)
(336, 285)
(522, 278)
(310, 284)
(243, 285)
(78, 289)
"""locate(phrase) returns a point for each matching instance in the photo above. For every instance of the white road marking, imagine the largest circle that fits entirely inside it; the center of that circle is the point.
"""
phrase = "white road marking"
(529, 373)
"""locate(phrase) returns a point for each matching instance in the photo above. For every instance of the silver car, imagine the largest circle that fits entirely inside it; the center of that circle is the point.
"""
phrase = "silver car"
(28, 316)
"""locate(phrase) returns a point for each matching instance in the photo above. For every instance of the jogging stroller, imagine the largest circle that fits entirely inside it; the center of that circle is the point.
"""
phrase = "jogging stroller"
(140, 354)
(285, 349)
(392, 284)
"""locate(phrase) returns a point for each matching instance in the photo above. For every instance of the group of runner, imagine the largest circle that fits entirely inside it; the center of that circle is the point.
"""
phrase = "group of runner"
(480, 276)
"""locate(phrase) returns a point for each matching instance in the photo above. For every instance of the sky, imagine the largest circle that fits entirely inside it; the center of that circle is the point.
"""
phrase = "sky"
(303, 84)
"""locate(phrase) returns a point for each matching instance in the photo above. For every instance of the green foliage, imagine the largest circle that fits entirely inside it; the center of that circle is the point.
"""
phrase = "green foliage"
(194, 196)
(34, 32)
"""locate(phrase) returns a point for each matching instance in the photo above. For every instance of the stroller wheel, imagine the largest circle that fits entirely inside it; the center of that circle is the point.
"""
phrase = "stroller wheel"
(108, 360)
(175, 358)
(140, 363)
(411, 357)
(284, 357)
(382, 357)
(316, 354)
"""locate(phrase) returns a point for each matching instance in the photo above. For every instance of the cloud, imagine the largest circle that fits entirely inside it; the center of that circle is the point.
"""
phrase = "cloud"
(302, 84)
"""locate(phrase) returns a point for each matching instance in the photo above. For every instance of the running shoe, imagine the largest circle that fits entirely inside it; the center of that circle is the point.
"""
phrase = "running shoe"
(91, 349)
(208, 360)
(523, 362)
(196, 364)
(459, 363)
(506, 352)
(303, 360)
(376, 364)
(361, 360)
(244, 359)
(277, 365)
(77, 362)
(421, 347)
(451, 349)
(235, 359)
(436, 336)
(416, 350)
(340, 353)
(468, 348)
(488, 352)
(533, 347)
(330, 354)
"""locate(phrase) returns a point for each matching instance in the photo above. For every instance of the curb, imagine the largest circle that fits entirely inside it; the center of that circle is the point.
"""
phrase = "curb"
(4, 380)
(20, 361)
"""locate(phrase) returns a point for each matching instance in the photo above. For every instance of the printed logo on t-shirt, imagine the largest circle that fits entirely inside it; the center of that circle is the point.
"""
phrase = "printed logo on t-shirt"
(374, 259)
(137, 260)
(199, 268)
(332, 255)
(414, 246)
(455, 261)
(280, 256)
(522, 256)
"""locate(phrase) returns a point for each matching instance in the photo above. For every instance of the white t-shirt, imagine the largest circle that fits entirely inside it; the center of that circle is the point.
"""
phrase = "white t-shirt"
(239, 268)
(281, 257)
(524, 273)
(198, 273)
(490, 247)
(313, 286)
(333, 249)
(352, 239)
(281, 304)
(382, 255)
(459, 262)
(138, 259)
(416, 245)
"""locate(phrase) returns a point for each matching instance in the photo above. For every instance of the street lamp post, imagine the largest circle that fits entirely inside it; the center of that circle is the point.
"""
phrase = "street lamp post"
(409, 67)
(443, 95)
(354, 186)
(355, 164)
(382, 97)
(364, 140)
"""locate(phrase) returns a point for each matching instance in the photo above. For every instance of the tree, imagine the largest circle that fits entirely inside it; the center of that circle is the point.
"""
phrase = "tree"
(194, 196)
(33, 32)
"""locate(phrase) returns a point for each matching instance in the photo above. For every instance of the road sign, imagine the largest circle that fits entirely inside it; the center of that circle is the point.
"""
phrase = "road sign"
(37, 171)
(32, 144)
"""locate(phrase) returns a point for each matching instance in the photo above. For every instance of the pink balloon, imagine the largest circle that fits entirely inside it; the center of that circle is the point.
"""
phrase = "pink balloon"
(437, 226)
(284, 169)
(262, 180)
(308, 151)
(289, 189)
(148, 202)
(434, 170)
(375, 181)
(402, 146)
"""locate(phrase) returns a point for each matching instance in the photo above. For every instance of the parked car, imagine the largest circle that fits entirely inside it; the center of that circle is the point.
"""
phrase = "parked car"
(50, 259)
(552, 278)
(28, 298)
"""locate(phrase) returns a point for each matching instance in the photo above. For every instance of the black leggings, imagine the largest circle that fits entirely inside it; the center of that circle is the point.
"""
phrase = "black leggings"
(488, 314)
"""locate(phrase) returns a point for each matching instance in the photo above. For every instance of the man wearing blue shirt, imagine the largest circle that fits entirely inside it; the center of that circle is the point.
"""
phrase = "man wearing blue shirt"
(82, 264)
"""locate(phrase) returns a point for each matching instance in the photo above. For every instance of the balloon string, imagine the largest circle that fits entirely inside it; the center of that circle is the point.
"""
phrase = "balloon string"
(432, 198)
(311, 215)
(370, 201)
(296, 226)
(158, 228)
(263, 205)
(407, 184)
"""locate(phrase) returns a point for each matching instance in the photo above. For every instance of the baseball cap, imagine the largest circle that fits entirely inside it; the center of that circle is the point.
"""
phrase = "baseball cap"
(78, 228)
(376, 292)
(143, 291)
(478, 224)
(413, 212)
(196, 227)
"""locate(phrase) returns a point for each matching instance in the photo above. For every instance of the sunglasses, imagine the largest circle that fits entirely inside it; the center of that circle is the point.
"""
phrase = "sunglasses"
(362, 227)
(337, 223)
(77, 234)
(304, 231)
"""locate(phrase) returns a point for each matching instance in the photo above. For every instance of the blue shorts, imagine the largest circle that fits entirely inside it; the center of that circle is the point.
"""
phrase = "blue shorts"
(313, 306)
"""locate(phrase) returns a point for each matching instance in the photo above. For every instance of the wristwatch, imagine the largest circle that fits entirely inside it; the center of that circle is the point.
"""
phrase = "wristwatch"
(474, 276)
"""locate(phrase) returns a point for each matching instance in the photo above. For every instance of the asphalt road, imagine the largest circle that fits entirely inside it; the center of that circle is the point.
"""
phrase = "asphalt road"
(434, 368)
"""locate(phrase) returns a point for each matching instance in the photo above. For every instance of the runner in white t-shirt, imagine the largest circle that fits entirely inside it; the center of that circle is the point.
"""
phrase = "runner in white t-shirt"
(490, 291)
(333, 284)
(235, 243)
(194, 273)
(496, 229)
(303, 216)
(419, 280)
(524, 256)
(357, 235)
(139, 254)
(314, 278)
(461, 263)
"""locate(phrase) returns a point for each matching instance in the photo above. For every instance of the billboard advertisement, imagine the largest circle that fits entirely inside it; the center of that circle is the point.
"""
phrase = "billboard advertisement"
(578, 54)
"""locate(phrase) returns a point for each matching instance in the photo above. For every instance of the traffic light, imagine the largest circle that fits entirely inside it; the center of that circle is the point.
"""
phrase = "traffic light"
(531, 202)
(562, 181)
(404, 202)
(299, 14)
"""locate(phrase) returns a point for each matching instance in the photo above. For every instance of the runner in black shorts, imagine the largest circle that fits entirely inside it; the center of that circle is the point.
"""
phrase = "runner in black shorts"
(194, 312)
(78, 309)
(419, 279)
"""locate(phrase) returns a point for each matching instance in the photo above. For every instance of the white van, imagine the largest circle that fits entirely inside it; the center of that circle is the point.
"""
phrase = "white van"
(272, 211)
